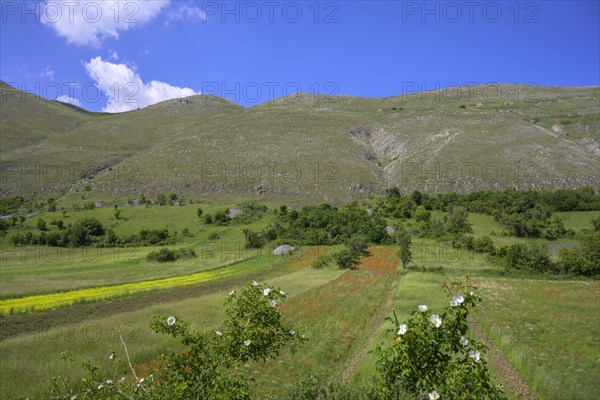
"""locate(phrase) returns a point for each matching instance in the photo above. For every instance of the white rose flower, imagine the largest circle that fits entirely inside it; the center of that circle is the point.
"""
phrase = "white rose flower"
(435, 320)
(402, 329)
(475, 355)
(171, 321)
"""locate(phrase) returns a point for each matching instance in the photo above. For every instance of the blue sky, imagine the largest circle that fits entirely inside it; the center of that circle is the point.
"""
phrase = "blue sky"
(115, 56)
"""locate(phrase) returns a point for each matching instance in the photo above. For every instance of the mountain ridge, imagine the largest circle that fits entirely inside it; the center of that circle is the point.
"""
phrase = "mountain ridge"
(312, 146)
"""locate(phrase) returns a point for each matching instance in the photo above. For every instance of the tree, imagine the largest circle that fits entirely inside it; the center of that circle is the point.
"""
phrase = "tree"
(253, 239)
(41, 224)
(404, 242)
(528, 257)
(405, 254)
(358, 244)
(117, 212)
(457, 221)
(199, 212)
(345, 258)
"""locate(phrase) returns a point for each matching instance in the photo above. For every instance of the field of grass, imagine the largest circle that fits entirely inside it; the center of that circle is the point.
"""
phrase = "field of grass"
(555, 351)
(414, 288)
(96, 338)
(549, 330)
(45, 301)
(339, 318)
(28, 270)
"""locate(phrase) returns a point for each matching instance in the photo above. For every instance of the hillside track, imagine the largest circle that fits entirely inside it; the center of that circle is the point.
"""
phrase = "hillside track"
(509, 375)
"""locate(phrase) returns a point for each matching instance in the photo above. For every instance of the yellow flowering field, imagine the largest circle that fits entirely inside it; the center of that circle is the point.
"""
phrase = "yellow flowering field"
(46, 301)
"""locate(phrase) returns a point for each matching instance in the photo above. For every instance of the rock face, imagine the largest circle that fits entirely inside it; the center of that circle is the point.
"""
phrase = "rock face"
(283, 249)
(233, 212)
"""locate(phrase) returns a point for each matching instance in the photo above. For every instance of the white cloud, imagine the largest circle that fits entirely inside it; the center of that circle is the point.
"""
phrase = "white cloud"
(88, 23)
(186, 13)
(47, 72)
(113, 54)
(125, 89)
(66, 99)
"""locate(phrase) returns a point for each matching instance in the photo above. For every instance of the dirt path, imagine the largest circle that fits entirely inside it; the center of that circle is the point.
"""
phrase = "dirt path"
(361, 354)
(511, 378)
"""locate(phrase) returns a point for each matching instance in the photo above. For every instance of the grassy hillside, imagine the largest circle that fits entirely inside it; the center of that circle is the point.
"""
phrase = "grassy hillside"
(309, 146)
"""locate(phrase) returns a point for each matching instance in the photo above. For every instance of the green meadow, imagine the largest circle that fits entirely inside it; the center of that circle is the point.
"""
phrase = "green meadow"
(547, 327)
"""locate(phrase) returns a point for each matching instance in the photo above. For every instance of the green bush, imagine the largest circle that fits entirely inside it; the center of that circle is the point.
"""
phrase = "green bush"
(321, 261)
(431, 356)
(168, 255)
(345, 258)
(210, 365)
(162, 255)
(528, 257)
(484, 244)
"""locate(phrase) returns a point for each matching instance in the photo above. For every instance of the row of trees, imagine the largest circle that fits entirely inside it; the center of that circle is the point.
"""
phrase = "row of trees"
(522, 213)
(326, 224)
(90, 232)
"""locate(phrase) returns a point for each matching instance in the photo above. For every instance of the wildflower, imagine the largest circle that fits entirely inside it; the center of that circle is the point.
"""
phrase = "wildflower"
(273, 303)
(435, 320)
(266, 291)
(292, 332)
(434, 395)
(109, 381)
(423, 308)
(232, 293)
(463, 341)
(281, 292)
(453, 302)
(140, 380)
(402, 329)
(303, 336)
(219, 333)
(254, 283)
(460, 299)
(171, 321)
(122, 379)
(100, 387)
(475, 355)
(111, 357)
(73, 397)
(471, 293)
(247, 342)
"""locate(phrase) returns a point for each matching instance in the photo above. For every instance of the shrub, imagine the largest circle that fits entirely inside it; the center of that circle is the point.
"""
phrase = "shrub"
(583, 259)
(168, 255)
(345, 258)
(431, 357)
(358, 244)
(529, 257)
(253, 239)
(210, 365)
(321, 261)
(41, 225)
(162, 255)
(484, 245)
